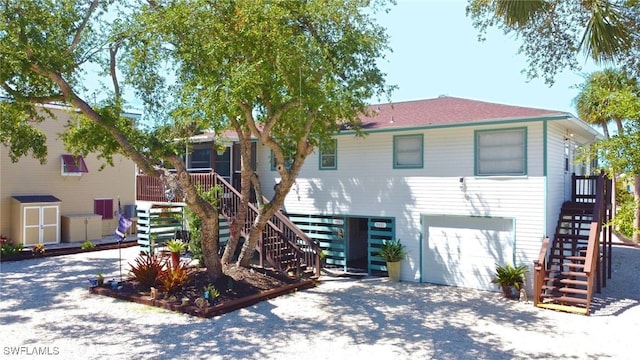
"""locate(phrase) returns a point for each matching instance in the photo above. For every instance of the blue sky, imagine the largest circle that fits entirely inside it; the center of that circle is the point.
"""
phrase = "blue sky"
(436, 52)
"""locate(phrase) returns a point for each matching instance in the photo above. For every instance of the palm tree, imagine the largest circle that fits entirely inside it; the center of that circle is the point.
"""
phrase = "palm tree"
(606, 96)
(605, 34)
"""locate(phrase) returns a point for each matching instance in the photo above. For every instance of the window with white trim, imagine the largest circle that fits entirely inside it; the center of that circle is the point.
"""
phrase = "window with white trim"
(501, 152)
(329, 155)
(408, 151)
(71, 165)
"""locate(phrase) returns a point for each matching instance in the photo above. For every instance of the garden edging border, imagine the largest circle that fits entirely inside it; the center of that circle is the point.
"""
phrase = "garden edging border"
(210, 311)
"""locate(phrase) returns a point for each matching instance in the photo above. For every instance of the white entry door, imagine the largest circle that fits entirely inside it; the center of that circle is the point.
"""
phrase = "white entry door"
(464, 250)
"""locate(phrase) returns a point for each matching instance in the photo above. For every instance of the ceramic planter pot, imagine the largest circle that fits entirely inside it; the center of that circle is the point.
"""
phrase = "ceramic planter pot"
(393, 269)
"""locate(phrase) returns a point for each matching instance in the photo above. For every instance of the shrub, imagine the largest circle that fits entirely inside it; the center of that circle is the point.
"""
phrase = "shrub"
(87, 245)
(37, 249)
(147, 269)
(173, 279)
(623, 221)
(9, 249)
(392, 251)
(195, 224)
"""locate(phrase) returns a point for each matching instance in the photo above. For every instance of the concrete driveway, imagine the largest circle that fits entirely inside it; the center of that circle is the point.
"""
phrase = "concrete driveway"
(46, 309)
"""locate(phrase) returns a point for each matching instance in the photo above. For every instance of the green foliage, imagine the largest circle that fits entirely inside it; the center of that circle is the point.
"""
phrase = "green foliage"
(556, 34)
(147, 269)
(508, 275)
(87, 245)
(211, 292)
(623, 221)
(173, 278)
(608, 95)
(392, 251)
(195, 223)
(176, 246)
(285, 72)
(8, 249)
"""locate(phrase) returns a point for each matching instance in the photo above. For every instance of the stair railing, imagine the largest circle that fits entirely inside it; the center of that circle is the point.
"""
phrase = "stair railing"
(585, 190)
(280, 235)
(593, 248)
(540, 271)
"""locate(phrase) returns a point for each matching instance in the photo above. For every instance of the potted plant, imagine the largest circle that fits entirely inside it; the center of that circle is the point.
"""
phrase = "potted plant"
(510, 279)
(392, 252)
(176, 247)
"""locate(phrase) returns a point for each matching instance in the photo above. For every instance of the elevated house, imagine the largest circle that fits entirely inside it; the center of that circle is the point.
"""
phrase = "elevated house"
(67, 199)
(465, 185)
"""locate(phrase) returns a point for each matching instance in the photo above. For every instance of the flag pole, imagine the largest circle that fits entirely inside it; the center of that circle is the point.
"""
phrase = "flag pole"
(121, 232)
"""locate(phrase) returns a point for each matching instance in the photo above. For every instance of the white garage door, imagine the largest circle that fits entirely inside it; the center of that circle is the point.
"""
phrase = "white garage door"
(464, 250)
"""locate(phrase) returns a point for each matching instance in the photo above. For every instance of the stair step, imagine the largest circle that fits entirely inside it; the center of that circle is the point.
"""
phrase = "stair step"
(570, 290)
(571, 299)
(565, 308)
(574, 282)
(576, 258)
(574, 273)
(574, 265)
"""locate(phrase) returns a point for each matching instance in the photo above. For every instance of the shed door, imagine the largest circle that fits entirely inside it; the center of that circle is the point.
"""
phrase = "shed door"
(463, 250)
(40, 225)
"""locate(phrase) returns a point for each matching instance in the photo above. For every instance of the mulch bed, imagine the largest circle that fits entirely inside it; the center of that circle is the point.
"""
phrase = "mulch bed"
(239, 288)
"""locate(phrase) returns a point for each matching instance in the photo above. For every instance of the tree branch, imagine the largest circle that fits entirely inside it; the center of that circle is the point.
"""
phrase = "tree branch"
(83, 25)
(73, 99)
(113, 50)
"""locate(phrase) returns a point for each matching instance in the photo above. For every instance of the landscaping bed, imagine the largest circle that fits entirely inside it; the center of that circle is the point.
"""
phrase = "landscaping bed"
(29, 254)
(238, 288)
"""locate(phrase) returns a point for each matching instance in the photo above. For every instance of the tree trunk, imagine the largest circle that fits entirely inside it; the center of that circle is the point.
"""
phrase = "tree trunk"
(636, 217)
(239, 218)
(210, 239)
(249, 246)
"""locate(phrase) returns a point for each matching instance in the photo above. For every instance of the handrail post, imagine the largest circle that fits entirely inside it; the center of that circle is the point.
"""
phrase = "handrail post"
(540, 271)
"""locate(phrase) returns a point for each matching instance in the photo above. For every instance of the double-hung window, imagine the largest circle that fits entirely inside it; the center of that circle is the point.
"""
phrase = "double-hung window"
(329, 155)
(501, 152)
(408, 151)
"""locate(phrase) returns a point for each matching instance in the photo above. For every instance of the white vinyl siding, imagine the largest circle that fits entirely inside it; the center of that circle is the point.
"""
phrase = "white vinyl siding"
(359, 189)
(407, 151)
(501, 152)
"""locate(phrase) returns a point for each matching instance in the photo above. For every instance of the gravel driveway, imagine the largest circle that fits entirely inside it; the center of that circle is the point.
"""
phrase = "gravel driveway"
(45, 309)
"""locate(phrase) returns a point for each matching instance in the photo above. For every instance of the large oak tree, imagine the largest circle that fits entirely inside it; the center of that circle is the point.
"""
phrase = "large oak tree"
(288, 73)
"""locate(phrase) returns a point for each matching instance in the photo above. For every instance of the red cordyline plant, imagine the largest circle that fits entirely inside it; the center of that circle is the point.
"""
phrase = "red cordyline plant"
(147, 269)
(173, 278)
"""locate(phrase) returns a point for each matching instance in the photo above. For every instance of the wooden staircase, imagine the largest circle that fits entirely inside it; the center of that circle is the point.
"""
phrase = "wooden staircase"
(569, 269)
(282, 245)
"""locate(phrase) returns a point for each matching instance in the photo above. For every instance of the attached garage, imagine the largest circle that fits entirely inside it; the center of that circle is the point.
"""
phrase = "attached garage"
(464, 250)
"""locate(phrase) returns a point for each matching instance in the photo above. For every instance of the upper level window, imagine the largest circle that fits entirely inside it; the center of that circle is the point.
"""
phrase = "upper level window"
(501, 152)
(72, 165)
(287, 162)
(329, 155)
(200, 159)
(408, 151)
